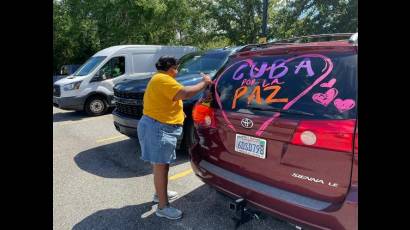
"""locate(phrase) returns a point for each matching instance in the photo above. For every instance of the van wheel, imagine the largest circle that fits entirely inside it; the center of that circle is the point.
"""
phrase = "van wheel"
(96, 106)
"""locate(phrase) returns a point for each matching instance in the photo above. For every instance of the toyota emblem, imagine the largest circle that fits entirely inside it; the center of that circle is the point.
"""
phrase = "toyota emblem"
(247, 123)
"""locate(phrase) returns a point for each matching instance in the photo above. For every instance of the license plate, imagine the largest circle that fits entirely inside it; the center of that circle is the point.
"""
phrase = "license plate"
(250, 145)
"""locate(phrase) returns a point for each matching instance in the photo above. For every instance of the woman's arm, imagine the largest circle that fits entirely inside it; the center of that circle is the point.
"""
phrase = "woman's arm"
(190, 91)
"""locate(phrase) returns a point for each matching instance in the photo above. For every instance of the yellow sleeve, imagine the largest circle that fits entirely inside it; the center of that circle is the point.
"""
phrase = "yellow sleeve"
(170, 87)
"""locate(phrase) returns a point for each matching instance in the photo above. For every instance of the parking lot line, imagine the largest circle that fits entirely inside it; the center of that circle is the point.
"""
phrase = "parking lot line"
(109, 138)
(181, 174)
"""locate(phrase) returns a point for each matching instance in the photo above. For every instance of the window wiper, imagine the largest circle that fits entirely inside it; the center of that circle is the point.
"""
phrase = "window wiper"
(288, 111)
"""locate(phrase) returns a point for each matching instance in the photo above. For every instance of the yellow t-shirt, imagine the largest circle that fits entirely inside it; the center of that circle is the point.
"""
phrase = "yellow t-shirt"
(158, 103)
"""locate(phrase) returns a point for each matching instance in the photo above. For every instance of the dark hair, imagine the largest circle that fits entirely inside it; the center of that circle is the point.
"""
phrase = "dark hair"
(165, 62)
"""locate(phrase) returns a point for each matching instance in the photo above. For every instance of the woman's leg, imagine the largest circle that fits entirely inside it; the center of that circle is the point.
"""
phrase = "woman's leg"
(161, 183)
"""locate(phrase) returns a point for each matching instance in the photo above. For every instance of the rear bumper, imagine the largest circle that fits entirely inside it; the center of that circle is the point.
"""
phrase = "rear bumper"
(295, 208)
(125, 125)
(69, 103)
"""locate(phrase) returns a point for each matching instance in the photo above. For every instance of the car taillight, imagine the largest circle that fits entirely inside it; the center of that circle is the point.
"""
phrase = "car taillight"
(328, 134)
(203, 115)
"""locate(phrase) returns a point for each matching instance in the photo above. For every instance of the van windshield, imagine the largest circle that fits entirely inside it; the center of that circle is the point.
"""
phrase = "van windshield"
(204, 63)
(89, 65)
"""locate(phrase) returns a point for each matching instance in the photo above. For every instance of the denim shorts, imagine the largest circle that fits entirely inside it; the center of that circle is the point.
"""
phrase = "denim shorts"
(158, 140)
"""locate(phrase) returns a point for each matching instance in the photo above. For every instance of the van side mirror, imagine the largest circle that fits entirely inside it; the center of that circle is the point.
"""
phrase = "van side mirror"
(101, 75)
(97, 77)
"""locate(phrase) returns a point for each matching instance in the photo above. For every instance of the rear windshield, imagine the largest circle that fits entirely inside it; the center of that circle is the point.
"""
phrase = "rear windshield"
(316, 86)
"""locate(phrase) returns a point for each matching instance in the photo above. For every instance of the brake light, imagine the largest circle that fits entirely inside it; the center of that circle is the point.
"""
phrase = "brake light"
(203, 115)
(329, 134)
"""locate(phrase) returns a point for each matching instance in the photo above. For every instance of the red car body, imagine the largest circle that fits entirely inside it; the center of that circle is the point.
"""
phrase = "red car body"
(287, 143)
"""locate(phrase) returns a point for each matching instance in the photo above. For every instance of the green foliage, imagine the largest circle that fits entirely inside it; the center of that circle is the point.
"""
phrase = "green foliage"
(290, 18)
(238, 20)
(82, 27)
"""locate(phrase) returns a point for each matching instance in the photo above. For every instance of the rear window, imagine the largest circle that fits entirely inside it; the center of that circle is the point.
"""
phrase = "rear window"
(316, 85)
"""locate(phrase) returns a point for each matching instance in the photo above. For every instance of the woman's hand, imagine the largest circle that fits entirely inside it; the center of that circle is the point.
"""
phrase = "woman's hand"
(190, 91)
(206, 78)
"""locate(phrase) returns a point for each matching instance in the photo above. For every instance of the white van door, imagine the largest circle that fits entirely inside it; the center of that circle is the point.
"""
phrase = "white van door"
(113, 71)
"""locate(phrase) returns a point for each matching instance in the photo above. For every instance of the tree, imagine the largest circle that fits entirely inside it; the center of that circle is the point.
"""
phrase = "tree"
(303, 17)
(238, 20)
(74, 37)
(83, 27)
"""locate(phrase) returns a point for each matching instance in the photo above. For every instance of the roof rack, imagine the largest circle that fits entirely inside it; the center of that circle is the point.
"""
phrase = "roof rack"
(302, 39)
(320, 37)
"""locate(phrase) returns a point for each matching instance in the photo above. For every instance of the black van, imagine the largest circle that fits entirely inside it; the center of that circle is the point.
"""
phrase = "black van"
(129, 95)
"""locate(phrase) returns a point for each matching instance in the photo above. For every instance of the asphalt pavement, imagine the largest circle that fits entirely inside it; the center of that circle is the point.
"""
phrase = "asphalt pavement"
(99, 182)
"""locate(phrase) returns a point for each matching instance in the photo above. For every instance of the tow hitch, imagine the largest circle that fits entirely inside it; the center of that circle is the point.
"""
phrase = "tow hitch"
(242, 213)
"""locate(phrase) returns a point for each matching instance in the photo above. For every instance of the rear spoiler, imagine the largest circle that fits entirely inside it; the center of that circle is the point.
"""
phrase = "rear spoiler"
(351, 37)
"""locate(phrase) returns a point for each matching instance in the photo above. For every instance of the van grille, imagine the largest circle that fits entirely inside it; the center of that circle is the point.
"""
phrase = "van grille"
(128, 95)
(125, 107)
(130, 110)
(56, 90)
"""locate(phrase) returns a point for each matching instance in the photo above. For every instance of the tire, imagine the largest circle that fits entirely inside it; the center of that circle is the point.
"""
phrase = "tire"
(96, 106)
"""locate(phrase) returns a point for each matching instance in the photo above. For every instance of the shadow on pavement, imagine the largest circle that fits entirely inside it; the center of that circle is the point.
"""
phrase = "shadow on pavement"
(74, 115)
(143, 216)
(203, 208)
(69, 116)
(118, 160)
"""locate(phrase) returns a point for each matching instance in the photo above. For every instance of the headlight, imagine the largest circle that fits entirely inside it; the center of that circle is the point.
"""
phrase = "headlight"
(72, 86)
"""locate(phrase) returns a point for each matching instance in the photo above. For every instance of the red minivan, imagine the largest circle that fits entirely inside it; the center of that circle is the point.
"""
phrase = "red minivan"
(278, 128)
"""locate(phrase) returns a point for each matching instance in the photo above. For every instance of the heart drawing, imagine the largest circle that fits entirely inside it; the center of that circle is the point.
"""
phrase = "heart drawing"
(325, 98)
(327, 70)
(329, 84)
(344, 105)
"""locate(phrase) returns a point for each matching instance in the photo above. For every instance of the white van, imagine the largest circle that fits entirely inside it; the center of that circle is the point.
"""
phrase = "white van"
(90, 88)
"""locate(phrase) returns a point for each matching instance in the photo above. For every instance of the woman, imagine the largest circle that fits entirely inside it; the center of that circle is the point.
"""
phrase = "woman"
(161, 126)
